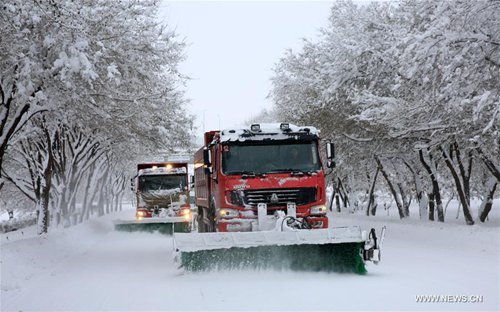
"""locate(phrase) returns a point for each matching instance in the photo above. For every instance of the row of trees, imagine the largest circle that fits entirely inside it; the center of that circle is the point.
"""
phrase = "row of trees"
(410, 92)
(86, 88)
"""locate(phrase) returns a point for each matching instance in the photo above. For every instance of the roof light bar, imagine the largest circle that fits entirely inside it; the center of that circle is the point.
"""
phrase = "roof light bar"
(255, 128)
(285, 126)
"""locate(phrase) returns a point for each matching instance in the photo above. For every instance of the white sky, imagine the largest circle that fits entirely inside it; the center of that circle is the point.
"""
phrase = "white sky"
(232, 49)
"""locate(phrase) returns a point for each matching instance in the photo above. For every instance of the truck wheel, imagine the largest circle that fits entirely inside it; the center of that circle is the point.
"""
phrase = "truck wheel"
(212, 226)
(201, 224)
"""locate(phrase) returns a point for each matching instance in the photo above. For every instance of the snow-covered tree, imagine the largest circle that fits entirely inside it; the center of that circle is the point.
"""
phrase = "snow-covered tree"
(409, 90)
(104, 73)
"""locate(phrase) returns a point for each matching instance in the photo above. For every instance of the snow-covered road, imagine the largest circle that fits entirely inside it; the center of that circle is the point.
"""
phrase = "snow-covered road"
(92, 267)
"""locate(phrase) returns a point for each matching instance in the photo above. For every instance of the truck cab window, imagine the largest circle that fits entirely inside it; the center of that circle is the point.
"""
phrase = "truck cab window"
(265, 158)
(161, 182)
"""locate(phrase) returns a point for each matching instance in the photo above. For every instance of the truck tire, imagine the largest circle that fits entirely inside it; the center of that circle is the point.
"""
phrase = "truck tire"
(212, 226)
(202, 227)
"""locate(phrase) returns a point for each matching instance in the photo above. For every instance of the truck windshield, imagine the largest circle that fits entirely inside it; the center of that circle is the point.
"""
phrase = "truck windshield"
(162, 182)
(255, 158)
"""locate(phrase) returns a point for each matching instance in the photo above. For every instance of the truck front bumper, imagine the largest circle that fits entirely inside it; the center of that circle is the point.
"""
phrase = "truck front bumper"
(264, 222)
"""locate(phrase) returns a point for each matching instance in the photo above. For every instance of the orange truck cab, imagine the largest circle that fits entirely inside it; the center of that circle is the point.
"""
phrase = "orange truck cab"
(162, 190)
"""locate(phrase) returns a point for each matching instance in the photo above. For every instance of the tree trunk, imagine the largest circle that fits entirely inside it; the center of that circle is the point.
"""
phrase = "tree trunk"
(489, 164)
(85, 205)
(74, 215)
(439, 208)
(435, 196)
(46, 183)
(391, 188)
(100, 173)
(372, 206)
(488, 200)
(432, 207)
(423, 205)
(100, 203)
(422, 202)
(405, 201)
(448, 202)
(117, 201)
(108, 199)
(102, 193)
(63, 208)
(43, 217)
(461, 194)
(465, 173)
(337, 201)
(343, 194)
(332, 198)
(12, 117)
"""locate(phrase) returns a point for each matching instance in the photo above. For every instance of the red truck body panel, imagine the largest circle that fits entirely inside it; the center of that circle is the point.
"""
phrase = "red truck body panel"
(201, 180)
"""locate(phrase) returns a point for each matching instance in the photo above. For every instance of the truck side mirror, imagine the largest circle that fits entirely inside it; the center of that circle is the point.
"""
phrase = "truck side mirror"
(207, 160)
(330, 150)
(330, 154)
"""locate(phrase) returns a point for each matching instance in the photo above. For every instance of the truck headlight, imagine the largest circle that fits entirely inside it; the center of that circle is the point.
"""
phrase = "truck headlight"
(236, 198)
(186, 213)
(228, 213)
(140, 214)
(318, 210)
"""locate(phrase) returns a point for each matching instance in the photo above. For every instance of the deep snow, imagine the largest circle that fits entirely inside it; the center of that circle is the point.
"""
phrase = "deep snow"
(92, 267)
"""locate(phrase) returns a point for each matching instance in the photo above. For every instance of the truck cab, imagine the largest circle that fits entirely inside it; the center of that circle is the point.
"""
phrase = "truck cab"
(244, 177)
(162, 190)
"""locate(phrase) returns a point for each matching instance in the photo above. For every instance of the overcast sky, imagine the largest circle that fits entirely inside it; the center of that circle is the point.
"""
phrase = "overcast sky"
(232, 48)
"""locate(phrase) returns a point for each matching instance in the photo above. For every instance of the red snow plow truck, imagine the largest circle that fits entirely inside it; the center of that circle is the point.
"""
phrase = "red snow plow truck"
(261, 196)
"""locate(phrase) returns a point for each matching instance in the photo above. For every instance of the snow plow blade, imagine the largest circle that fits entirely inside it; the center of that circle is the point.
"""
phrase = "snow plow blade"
(331, 250)
(165, 226)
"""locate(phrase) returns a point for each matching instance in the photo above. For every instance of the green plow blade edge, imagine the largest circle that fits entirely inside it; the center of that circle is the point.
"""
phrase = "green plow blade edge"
(163, 228)
(345, 257)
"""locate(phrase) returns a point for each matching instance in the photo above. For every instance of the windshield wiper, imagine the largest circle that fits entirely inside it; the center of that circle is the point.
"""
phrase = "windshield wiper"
(247, 174)
(241, 172)
(293, 172)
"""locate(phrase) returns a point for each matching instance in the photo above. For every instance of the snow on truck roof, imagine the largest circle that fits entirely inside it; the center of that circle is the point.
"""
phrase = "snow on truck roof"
(162, 170)
(179, 158)
(268, 131)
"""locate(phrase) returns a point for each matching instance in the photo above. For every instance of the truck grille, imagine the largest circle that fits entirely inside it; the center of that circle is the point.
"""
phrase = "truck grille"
(280, 197)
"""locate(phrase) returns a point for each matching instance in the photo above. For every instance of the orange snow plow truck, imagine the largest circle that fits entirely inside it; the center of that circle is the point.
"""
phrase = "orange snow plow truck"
(162, 199)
